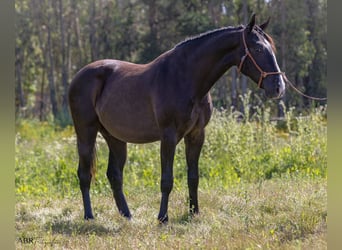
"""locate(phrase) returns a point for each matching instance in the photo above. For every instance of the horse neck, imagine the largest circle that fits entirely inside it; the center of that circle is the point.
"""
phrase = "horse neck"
(209, 60)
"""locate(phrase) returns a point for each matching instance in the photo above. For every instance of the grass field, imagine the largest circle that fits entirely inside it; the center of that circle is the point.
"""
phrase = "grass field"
(262, 186)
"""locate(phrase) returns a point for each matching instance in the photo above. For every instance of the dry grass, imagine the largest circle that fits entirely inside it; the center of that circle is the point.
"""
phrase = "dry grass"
(283, 213)
(261, 187)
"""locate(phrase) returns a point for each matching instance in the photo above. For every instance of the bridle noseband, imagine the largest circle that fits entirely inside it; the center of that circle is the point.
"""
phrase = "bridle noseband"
(263, 74)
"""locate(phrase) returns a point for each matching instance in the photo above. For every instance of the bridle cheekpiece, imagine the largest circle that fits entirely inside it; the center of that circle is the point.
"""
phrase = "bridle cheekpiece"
(263, 74)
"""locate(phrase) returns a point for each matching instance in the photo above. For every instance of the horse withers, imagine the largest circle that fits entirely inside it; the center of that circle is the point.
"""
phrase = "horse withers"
(165, 100)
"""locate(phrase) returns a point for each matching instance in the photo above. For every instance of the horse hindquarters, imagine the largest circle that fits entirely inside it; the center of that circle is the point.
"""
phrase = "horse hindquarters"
(82, 91)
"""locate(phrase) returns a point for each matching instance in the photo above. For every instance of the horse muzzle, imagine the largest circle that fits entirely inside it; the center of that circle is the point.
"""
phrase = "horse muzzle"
(274, 86)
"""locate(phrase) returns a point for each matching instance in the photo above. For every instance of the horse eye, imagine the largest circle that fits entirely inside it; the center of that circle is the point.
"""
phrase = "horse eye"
(258, 49)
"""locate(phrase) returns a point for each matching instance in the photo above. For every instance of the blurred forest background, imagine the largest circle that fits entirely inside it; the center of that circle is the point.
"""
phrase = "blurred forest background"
(55, 38)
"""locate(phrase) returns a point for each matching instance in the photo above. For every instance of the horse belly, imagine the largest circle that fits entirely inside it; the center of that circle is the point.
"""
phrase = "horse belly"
(129, 120)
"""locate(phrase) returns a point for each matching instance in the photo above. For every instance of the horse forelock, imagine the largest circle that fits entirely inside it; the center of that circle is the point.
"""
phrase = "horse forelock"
(271, 41)
(267, 37)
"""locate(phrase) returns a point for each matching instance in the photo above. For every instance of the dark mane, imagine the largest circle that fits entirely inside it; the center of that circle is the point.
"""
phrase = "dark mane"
(270, 40)
(207, 34)
(214, 32)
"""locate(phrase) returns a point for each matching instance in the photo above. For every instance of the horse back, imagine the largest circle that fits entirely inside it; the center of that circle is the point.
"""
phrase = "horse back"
(131, 101)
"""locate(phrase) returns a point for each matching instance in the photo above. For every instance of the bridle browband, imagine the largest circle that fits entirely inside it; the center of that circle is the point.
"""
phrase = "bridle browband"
(263, 74)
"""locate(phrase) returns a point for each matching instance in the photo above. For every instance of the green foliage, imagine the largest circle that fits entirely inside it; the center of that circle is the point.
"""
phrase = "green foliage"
(43, 158)
(261, 186)
(250, 149)
(54, 39)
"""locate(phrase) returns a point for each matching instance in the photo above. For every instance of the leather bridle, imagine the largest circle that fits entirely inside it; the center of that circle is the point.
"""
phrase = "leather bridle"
(263, 74)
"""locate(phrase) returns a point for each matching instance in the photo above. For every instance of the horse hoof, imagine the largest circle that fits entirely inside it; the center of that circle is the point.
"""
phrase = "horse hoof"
(194, 211)
(128, 217)
(163, 220)
(88, 217)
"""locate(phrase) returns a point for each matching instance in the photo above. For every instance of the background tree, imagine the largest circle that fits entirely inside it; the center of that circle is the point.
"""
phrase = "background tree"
(54, 39)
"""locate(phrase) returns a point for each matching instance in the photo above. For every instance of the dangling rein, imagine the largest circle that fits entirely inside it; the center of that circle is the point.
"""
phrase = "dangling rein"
(301, 93)
(264, 74)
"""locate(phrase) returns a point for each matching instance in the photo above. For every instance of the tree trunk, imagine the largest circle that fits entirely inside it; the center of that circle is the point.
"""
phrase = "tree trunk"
(51, 77)
(234, 89)
(77, 32)
(92, 33)
(245, 20)
(41, 101)
(281, 112)
(152, 22)
(64, 61)
(20, 102)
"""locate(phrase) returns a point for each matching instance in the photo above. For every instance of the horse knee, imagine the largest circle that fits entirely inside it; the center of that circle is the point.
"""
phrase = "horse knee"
(193, 182)
(115, 180)
(84, 178)
(86, 156)
(166, 185)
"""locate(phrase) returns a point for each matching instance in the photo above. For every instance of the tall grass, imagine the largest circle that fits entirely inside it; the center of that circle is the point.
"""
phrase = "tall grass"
(262, 185)
(251, 149)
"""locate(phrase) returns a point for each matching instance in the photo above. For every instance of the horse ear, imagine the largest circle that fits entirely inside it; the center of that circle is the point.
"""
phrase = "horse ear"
(265, 24)
(251, 23)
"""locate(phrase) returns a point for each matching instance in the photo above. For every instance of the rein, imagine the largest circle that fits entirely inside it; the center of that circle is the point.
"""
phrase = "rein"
(264, 74)
(301, 93)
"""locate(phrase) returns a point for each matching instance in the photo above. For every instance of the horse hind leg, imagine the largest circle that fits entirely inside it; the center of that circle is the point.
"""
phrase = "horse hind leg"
(86, 165)
(86, 127)
(82, 91)
(116, 161)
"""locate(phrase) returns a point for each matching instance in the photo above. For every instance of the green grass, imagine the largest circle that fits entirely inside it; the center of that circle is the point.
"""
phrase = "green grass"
(261, 187)
(286, 213)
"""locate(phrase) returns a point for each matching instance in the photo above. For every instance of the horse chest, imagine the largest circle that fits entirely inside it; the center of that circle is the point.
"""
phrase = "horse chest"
(188, 119)
(196, 116)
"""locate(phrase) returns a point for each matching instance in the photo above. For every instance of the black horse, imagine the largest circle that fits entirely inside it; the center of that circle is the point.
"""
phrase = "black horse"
(165, 100)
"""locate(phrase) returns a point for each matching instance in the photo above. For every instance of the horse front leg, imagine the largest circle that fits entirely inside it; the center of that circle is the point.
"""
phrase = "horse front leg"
(193, 145)
(167, 152)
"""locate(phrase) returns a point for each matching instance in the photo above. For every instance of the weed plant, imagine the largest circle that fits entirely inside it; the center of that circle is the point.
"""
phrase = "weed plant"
(237, 149)
(262, 186)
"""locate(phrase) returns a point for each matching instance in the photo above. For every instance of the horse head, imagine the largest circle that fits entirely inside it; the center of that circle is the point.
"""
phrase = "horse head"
(258, 59)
